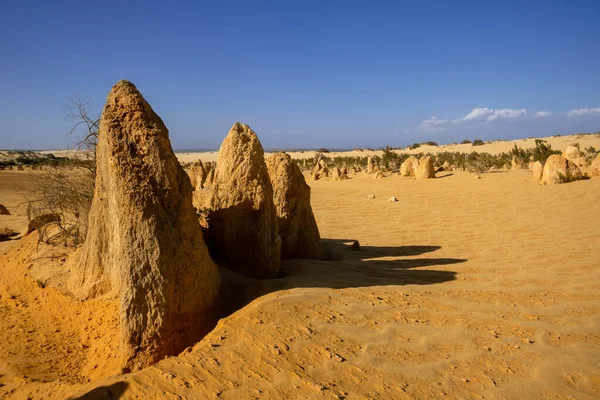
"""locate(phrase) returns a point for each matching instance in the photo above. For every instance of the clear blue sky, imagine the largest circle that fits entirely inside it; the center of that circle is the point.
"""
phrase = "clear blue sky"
(336, 74)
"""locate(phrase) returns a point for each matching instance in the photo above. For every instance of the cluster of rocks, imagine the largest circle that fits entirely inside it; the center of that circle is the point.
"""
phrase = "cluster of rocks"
(258, 211)
(571, 165)
(418, 168)
(340, 174)
(422, 168)
(202, 175)
(145, 246)
(320, 170)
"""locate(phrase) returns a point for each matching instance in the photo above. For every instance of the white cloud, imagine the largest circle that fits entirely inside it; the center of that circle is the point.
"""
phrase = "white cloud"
(584, 111)
(489, 114)
(476, 114)
(507, 113)
(433, 124)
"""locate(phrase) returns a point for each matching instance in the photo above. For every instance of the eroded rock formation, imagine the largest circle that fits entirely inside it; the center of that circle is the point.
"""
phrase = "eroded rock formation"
(144, 245)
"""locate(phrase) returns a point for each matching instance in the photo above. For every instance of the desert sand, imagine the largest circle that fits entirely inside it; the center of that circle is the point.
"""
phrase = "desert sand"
(463, 288)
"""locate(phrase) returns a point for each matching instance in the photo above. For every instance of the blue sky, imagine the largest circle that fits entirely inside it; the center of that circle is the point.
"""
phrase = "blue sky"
(337, 74)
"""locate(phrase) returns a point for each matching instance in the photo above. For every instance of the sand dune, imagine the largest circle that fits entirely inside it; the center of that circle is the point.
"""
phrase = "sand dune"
(493, 147)
(464, 288)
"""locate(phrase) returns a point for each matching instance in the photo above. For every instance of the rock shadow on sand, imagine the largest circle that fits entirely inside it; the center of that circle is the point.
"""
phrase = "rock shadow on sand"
(112, 392)
(342, 268)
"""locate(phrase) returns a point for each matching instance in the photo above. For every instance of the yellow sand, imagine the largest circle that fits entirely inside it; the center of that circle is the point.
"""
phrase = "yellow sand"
(464, 288)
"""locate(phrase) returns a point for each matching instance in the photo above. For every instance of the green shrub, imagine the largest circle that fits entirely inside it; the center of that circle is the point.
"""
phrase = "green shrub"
(477, 142)
(520, 153)
(391, 160)
(542, 151)
(414, 146)
(590, 154)
(569, 177)
(466, 141)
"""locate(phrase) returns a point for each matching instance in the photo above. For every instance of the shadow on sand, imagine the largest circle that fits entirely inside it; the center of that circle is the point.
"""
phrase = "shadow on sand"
(109, 392)
(343, 268)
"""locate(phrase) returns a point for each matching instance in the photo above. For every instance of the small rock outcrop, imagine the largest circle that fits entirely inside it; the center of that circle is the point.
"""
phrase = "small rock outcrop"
(4, 210)
(538, 169)
(336, 173)
(144, 246)
(409, 166)
(557, 166)
(581, 163)
(572, 152)
(197, 175)
(516, 163)
(370, 167)
(298, 229)
(339, 174)
(6, 234)
(243, 220)
(425, 169)
(320, 170)
(392, 199)
(594, 169)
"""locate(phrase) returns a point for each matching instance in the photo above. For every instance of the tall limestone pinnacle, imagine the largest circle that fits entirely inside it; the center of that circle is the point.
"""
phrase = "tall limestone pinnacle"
(144, 245)
(297, 225)
(243, 217)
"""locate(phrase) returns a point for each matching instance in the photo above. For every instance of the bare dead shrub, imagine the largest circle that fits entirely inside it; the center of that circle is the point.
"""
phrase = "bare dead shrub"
(65, 193)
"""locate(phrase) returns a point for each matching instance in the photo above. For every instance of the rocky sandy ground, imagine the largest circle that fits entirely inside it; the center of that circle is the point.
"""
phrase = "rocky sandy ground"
(463, 288)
